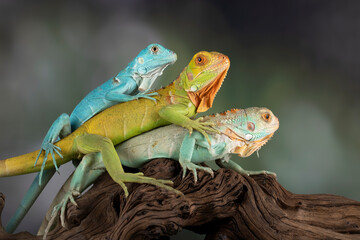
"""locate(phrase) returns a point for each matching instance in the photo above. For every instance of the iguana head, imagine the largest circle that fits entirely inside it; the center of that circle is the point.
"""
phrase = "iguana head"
(203, 77)
(149, 64)
(249, 128)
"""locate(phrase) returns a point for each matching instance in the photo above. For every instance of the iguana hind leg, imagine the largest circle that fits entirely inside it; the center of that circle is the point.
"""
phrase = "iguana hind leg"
(92, 143)
(89, 169)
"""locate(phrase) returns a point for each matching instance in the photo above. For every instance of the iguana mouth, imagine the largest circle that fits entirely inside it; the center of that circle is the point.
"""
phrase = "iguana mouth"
(204, 98)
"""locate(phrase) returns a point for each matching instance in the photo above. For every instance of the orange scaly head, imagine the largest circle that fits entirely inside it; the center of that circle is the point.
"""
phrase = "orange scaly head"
(203, 78)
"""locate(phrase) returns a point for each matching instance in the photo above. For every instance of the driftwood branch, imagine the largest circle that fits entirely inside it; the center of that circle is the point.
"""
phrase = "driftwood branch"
(228, 206)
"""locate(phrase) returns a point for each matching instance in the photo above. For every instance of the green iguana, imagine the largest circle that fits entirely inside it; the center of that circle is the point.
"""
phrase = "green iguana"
(192, 92)
(241, 131)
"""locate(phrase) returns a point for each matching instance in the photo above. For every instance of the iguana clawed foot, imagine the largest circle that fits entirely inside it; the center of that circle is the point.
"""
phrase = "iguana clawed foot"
(62, 208)
(237, 168)
(62, 205)
(193, 167)
(202, 127)
(48, 148)
(146, 95)
(250, 173)
(123, 178)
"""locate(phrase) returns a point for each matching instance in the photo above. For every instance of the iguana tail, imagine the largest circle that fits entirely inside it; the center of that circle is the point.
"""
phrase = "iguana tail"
(29, 199)
(24, 164)
(18, 165)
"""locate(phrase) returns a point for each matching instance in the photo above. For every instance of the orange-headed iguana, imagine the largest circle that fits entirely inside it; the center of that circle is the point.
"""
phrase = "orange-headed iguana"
(192, 92)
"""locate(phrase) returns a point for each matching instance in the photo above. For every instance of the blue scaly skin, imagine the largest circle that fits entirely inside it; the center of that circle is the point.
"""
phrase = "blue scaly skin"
(242, 132)
(131, 83)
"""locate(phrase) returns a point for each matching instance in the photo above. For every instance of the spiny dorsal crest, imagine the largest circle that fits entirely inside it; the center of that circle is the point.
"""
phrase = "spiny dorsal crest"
(228, 117)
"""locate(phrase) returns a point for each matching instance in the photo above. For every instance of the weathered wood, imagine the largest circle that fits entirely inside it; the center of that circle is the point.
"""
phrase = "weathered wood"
(228, 206)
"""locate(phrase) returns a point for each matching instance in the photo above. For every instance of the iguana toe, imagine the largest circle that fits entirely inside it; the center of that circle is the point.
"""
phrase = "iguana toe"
(193, 167)
(152, 94)
(123, 186)
(150, 98)
(51, 149)
(137, 178)
(250, 173)
(69, 196)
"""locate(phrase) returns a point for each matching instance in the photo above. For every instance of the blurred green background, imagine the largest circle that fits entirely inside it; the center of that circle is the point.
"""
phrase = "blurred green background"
(299, 58)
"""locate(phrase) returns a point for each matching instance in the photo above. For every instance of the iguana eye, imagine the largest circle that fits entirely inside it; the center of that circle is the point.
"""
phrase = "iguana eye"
(200, 60)
(154, 49)
(266, 117)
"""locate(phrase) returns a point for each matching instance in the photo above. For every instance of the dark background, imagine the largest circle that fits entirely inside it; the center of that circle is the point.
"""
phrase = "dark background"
(299, 58)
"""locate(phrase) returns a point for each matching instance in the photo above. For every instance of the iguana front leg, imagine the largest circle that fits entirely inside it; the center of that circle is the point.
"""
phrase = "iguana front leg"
(236, 167)
(186, 152)
(178, 113)
(124, 92)
(147, 94)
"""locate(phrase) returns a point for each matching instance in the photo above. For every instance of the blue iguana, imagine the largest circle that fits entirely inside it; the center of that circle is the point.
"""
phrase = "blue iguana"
(133, 82)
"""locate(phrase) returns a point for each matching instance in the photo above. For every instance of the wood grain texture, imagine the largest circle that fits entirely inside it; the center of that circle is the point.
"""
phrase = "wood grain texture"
(228, 206)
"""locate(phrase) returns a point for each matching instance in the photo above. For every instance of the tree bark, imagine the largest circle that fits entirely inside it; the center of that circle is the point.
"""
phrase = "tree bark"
(228, 206)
